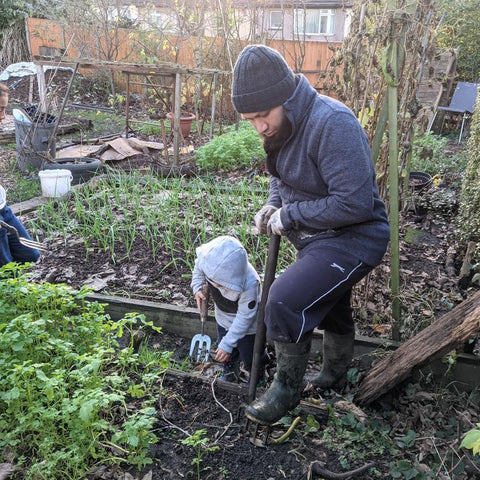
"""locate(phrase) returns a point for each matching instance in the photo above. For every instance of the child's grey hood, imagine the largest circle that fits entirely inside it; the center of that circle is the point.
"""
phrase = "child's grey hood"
(224, 261)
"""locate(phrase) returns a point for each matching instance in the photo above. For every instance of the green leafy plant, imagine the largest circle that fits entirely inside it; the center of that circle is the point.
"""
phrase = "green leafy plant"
(236, 148)
(428, 155)
(66, 382)
(406, 470)
(200, 442)
(468, 220)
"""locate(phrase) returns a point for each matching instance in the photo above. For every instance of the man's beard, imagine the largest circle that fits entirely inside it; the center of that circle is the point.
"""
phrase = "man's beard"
(273, 144)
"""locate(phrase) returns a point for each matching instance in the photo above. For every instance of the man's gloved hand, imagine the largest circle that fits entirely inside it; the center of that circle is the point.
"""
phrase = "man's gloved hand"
(262, 217)
(275, 225)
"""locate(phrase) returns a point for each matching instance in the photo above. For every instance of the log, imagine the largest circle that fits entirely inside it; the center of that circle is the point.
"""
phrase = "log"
(450, 331)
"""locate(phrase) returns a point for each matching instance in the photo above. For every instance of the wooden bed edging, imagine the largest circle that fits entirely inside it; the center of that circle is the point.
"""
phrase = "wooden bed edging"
(185, 322)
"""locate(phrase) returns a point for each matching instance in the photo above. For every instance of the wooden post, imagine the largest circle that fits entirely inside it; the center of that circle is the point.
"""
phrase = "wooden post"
(127, 107)
(214, 102)
(42, 89)
(176, 123)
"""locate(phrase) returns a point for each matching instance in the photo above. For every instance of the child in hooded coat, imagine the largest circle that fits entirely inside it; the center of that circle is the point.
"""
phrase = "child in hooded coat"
(235, 288)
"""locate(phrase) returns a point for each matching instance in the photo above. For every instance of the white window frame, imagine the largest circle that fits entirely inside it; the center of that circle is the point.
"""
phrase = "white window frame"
(275, 25)
(163, 21)
(325, 27)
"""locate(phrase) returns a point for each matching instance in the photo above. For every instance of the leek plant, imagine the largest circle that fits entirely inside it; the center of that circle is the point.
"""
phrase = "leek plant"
(172, 216)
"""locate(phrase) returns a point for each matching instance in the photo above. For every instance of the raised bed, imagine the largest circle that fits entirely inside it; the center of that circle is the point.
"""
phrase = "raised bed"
(185, 322)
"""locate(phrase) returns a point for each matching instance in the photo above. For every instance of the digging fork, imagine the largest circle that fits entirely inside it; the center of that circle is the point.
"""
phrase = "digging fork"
(201, 343)
(24, 241)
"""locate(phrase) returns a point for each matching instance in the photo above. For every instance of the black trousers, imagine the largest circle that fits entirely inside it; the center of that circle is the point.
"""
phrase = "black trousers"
(314, 292)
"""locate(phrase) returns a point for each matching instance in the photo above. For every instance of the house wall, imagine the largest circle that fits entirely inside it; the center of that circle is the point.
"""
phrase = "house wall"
(287, 32)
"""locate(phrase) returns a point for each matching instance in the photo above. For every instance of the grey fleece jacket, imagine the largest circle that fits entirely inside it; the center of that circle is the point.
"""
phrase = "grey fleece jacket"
(327, 187)
(224, 261)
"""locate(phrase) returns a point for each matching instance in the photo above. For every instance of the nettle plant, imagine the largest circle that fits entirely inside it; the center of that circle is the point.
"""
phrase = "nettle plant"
(65, 383)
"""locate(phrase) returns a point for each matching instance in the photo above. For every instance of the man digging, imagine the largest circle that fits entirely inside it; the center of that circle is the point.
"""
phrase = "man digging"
(324, 199)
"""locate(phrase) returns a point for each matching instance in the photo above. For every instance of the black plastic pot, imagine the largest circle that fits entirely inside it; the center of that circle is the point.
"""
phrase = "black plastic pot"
(82, 168)
(419, 181)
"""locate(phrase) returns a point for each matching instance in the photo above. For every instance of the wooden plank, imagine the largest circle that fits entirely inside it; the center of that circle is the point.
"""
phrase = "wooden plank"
(185, 322)
(9, 136)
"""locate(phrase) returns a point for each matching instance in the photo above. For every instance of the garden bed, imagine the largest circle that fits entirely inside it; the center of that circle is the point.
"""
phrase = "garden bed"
(413, 432)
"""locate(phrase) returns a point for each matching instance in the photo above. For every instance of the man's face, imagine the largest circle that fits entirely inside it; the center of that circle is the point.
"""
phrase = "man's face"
(266, 123)
(272, 125)
(3, 106)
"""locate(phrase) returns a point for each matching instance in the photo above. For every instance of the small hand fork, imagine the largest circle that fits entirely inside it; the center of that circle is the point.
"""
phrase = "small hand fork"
(201, 342)
(24, 241)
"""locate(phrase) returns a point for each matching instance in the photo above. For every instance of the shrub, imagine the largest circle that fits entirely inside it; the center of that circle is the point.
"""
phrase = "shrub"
(469, 219)
(236, 148)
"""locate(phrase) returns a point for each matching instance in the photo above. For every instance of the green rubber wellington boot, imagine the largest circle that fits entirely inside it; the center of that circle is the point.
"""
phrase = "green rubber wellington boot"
(285, 391)
(337, 355)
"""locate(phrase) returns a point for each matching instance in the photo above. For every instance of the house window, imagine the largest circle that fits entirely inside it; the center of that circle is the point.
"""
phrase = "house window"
(163, 21)
(276, 20)
(155, 19)
(314, 21)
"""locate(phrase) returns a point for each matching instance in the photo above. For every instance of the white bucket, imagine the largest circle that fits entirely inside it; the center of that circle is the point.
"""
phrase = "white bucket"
(55, 182)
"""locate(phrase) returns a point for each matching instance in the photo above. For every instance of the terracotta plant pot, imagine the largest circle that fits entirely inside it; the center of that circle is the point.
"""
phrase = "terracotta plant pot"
(186, 120)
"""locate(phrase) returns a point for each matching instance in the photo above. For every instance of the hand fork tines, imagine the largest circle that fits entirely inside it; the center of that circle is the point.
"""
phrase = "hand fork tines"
(24, 241)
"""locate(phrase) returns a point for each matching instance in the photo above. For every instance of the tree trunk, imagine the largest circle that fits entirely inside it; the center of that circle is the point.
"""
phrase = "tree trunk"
(450, 331)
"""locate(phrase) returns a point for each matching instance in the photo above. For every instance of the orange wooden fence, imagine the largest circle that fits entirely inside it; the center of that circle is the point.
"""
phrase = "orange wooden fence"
(120, 44)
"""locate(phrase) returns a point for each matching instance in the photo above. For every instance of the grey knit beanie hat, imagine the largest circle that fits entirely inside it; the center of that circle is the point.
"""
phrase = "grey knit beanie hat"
(261, 80)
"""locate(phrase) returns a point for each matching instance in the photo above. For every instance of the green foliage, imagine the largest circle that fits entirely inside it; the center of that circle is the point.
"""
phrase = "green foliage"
(14, 10)
(200, 442)
(472, 440)
(460, 29)
(232, 149)
(468, 218)
(25, 187)
(65, 382)
(405, 470)
(11, 11)
(119, 210)
(428, 155)
(349, 434)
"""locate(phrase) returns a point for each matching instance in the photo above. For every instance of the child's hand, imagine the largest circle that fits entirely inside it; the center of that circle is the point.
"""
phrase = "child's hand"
(200, 298)
(222, 356)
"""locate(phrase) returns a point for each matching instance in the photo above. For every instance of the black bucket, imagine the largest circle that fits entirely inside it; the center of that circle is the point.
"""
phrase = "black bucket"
(34, 139)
